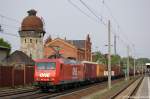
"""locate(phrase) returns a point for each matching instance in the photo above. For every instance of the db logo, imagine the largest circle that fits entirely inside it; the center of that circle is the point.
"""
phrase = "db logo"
(44, 74)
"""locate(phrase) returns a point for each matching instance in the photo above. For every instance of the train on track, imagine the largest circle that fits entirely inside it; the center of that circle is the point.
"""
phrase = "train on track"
(58, 74)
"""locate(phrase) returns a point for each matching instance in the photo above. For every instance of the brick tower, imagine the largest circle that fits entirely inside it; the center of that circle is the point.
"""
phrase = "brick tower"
(31, 34)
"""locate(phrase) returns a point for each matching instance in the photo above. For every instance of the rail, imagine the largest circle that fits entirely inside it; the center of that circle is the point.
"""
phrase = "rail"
(133, 92)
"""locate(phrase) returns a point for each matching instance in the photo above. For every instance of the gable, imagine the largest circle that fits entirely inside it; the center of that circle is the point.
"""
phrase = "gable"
(58, 41)
(18, 57)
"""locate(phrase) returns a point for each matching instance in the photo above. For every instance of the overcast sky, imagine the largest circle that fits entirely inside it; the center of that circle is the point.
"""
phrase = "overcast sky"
(62, 19)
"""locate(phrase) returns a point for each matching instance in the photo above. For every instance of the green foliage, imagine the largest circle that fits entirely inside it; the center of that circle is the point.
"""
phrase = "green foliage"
(100, 58)
(143, 60)
(115, 59)
(5, 44)
(118, 60)
(124, 62)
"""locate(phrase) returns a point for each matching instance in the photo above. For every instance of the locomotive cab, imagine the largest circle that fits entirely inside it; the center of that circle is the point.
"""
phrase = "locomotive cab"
(45, 73)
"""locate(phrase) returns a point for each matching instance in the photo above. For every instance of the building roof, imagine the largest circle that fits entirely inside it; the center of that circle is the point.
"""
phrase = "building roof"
(18, 57)
(78, 43)
(32, 22)
(61, 40)
(4, 48)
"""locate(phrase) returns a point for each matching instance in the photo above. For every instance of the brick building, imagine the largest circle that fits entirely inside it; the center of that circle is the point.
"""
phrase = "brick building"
(74, 49)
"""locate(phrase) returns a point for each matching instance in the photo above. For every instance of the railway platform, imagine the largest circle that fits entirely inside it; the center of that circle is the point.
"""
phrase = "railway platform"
(143, 91)
(140, 89)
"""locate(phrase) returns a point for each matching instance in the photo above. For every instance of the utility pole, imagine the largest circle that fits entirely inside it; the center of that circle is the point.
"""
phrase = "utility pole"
(134, 60)
(134, 66)
(128, 62)
(109, 56)
(115, 45)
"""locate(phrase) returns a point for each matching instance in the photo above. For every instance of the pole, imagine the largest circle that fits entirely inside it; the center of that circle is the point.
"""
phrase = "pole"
(134, 60)
(109, 56)
(115, 43)
(128, 63)
(134, 66)
(125, 71)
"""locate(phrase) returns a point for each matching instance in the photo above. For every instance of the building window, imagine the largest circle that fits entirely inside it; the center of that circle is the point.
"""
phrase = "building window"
(30, 55)
(30, 40)
(25, 40)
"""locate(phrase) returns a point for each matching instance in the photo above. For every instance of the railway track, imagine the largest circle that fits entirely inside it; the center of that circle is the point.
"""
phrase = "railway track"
(136, 88)
(15, 89)
(35, 94)
(74, 90)
(59, 94)
(40, 95)
(11, 92)
(129, 90)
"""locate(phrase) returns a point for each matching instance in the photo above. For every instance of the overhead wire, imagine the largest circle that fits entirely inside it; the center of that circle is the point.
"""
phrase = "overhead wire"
(9, 34)
(100, 19)
(2, 24)
(6, 25)
(8, 18)
(81, 10)
(118, 26)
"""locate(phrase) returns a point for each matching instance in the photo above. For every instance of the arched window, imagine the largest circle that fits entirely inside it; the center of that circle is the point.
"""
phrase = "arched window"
(30, 40)
(25, 40)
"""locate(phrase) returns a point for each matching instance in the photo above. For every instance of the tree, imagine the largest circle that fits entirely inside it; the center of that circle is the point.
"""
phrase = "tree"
(5, 44)
(115, 59)
(99, 57)
(124, 62)
(143, 60)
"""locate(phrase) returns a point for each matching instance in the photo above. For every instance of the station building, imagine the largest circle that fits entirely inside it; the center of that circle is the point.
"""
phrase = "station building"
(72, 49)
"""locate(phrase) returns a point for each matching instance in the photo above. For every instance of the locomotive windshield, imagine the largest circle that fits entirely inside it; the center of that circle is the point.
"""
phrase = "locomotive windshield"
(46, 65)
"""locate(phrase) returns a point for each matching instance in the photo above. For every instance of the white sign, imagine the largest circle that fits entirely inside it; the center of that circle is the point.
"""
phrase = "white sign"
(74, 72)
(106, 73)
(44, 75)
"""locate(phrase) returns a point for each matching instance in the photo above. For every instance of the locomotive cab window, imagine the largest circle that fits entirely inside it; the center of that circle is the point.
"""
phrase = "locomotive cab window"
(46, 66)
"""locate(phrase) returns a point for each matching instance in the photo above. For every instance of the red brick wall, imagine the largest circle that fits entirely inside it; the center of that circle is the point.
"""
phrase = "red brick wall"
(68, 50)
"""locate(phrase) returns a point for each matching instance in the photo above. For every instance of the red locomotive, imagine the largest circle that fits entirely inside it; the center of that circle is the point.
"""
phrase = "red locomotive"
(61, 73)
(55, 73)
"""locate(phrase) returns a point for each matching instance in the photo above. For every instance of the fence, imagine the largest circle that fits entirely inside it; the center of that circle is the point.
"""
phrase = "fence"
(11, 76)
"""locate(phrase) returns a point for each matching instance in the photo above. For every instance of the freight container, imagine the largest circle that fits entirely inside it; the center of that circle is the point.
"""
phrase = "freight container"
(100, 70)
(90, 70)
